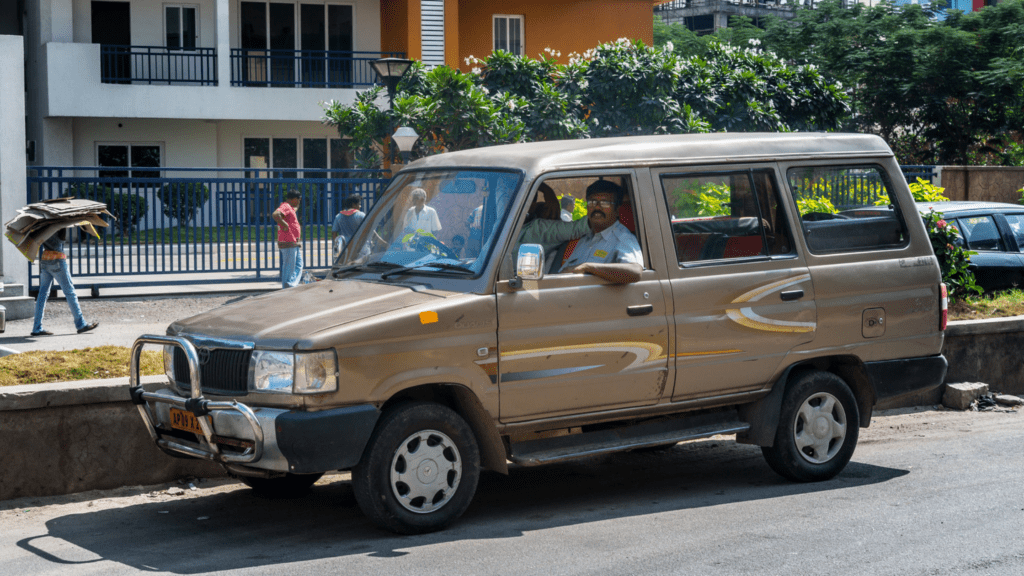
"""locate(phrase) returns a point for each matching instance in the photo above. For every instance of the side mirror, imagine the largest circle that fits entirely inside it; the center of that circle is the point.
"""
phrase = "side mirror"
(529, 264)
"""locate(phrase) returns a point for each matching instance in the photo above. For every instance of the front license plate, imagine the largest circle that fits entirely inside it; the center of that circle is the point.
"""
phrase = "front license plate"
(187, 421)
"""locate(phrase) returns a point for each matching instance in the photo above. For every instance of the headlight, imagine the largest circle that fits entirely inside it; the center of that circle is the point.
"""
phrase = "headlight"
(169, 362)
(272, 371)
(287, 373)
(316, 372)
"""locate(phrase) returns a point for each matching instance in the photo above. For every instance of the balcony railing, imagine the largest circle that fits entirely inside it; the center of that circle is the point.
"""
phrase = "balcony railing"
(158, 65)
(304, 68)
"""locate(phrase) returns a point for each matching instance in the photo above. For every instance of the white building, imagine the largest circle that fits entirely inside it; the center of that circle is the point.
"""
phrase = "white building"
(154, 83)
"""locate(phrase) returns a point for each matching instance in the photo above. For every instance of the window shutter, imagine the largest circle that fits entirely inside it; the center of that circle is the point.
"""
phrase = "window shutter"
(432, 31)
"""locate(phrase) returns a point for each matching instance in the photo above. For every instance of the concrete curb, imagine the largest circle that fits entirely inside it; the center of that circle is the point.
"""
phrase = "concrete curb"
(55, 394)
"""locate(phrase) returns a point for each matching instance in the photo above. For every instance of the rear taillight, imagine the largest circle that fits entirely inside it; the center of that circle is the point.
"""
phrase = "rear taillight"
(944, 306)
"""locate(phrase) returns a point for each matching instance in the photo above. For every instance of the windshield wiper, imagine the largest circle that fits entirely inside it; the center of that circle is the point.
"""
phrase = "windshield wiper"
(435, 264)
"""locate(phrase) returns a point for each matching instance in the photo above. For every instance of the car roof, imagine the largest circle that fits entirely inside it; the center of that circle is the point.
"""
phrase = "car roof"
(964, 208)
(539, 157)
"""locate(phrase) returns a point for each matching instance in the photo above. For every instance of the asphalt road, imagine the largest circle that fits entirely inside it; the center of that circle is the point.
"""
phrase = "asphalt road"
(928, 493)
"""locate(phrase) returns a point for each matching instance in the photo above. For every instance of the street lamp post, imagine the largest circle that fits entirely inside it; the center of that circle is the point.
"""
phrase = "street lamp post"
(390, 71)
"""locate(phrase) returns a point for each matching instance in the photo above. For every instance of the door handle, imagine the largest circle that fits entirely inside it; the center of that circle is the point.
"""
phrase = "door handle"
(641, 310)
(792, 295)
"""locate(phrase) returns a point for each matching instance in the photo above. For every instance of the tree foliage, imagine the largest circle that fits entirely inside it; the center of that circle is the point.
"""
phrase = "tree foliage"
(619, 88)
(941, 92)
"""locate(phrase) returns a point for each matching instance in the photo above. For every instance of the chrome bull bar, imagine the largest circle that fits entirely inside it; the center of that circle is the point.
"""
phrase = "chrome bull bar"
(196, 404)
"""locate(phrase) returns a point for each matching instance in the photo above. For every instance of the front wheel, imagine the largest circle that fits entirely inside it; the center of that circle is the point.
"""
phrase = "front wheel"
(818, 426)
(419, 470)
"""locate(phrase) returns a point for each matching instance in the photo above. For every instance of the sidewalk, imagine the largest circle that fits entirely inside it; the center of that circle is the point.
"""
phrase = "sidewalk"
(124, 314)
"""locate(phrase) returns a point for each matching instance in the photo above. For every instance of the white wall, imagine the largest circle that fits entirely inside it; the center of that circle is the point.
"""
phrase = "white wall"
(185, 144)
(73, 89)
(13, 266)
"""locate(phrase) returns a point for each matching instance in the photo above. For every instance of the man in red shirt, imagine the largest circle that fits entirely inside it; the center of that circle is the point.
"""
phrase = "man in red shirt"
(289, 239)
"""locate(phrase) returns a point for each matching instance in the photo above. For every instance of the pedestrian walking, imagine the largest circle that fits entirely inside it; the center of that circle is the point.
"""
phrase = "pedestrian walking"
(346, 222)
(53, 267)
(289, 239)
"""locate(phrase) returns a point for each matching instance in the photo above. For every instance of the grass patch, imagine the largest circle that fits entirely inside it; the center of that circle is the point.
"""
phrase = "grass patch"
(998, 305)
(60, 366)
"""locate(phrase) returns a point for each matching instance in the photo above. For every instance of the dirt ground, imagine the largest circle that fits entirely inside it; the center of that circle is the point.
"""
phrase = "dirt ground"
(897, 425)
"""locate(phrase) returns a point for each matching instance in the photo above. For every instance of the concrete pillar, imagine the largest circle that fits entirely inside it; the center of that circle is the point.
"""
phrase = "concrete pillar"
(223, 44)
(13, 266)
(61, 21)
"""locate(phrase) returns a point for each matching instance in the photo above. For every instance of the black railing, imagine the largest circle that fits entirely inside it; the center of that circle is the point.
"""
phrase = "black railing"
(158, 65)
(304, 68)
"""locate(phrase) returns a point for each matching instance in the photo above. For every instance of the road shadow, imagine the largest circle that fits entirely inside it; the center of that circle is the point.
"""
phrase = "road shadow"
(238, 530)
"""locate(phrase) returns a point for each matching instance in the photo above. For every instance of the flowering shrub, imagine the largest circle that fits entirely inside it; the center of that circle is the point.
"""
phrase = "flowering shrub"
(953, 259)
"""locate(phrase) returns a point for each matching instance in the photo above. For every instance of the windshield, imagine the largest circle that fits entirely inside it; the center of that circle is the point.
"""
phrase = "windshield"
(437, 221)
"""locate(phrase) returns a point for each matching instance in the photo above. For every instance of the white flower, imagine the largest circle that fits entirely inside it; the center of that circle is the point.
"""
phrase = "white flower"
(881, 38)
(754, 42)
(475, 70)
(669, 46)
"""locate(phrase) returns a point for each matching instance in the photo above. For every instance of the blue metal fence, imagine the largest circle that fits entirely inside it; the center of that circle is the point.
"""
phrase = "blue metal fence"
(304, 68)
(158, 65)
(914, 171)
(210, 221)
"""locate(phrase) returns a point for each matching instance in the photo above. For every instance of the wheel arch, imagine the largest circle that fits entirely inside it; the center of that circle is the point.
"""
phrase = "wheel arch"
(763, 415)
(466, 404)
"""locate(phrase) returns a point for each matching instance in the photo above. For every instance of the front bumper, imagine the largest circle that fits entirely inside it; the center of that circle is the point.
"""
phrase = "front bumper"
(269, 439)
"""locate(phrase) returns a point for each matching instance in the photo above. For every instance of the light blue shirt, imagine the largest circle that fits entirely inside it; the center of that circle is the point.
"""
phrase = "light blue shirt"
(613, 245)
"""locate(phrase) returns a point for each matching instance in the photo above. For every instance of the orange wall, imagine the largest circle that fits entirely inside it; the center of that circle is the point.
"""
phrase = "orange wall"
(400, 27)
(566, 26)
(563, 25)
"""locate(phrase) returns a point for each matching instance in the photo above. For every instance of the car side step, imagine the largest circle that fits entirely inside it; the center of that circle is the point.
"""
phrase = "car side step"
(653, 433)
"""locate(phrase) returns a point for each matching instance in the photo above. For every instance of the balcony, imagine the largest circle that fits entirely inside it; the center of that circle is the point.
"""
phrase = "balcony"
(304, 68)
(156, 82)
(158, 65)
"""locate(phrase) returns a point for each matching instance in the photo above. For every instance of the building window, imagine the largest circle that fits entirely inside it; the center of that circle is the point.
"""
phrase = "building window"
(123, 155)
(180, 26)
(284, 153)
(508, 33)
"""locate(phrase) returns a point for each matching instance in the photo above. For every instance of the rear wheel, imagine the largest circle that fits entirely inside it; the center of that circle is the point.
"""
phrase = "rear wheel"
(287, 486)
(419, 471)
(818, 426)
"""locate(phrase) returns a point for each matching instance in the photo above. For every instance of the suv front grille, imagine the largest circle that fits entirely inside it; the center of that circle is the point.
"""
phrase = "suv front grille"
(226, 372)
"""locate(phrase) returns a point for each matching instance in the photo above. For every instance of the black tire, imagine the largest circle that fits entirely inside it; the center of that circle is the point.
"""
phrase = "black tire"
(435, 441)
(814, 443)
(287, 486)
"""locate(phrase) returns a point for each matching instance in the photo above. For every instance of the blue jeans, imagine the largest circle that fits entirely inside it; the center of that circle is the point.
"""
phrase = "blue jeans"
(50, 271)
(291, 266)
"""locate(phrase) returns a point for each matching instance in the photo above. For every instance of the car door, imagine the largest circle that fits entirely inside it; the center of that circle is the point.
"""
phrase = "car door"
(573, 343)
(742, 294)
(1013, 225)
(995, 265)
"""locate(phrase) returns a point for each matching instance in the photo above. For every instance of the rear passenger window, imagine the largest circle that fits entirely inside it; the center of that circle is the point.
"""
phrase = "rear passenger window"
(846, 209)
(725, 215)
(981, 233)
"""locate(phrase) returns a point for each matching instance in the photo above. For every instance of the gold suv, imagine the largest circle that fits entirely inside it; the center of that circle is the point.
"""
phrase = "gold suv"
(534, 303)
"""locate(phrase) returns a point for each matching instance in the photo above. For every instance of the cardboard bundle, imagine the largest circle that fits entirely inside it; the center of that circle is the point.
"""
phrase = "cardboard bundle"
(35, 223)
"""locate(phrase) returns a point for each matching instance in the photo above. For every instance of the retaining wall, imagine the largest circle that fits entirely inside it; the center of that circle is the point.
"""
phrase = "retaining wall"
(89, 436)
(81, 436)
